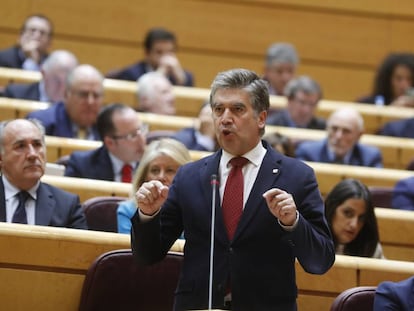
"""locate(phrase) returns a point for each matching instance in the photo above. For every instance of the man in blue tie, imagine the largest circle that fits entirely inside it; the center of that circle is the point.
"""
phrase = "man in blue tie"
(23, 197)
(279, 212)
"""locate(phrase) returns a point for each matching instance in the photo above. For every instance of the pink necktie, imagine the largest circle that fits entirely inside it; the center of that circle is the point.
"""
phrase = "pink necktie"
(126, 173)
(233, 196)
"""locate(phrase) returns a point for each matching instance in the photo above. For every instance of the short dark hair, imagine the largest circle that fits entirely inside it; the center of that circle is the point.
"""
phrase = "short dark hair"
(367, 240)
(41, 16)
(247, 80)
(158, 34)
(104, 122)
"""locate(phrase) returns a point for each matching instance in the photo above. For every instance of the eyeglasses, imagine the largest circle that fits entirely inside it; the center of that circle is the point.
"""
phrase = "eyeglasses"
(32, 30)
(86, 94)
(142, 130)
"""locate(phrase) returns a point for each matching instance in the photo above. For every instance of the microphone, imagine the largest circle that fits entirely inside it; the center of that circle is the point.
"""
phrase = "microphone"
(214, 183)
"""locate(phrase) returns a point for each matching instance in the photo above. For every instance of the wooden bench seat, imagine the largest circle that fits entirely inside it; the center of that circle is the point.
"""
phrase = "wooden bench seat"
(189, 100)
(49, 265)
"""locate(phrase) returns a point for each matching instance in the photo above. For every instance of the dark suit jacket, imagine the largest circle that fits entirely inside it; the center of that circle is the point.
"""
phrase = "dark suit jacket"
(282, 119)
(403, 194)
(317, 151)
(56, 121)
(54, 207)
(29, 91)
(401, 128)
(94, 164)
(133, 72)
(398, 296)
(11, 57)
(260, 260)
(188, 138)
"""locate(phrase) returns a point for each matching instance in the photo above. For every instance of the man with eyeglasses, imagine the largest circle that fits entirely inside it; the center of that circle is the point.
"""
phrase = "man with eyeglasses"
(32, 48)
(123, 136)
(75, 117)
(51, 88)
(303, 95)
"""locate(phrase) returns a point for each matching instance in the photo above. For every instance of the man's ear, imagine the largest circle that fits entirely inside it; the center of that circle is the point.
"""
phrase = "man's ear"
(108, 142)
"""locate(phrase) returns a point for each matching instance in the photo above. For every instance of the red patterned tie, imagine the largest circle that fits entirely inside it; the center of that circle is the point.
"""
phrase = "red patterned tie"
(126, 173)
(233, 196)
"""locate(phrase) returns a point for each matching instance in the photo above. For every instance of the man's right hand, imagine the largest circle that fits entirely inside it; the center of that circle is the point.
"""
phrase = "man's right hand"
(150, 197)
(30, 49)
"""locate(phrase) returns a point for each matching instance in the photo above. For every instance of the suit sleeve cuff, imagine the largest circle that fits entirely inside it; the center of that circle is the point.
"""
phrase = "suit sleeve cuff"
(292, 227)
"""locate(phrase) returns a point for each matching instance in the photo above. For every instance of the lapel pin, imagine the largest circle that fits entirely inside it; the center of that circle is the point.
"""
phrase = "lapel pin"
(275, 171)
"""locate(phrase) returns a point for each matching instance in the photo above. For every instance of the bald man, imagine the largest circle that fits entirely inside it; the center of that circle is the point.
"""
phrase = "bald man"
(75, 117)
(155, 94)
(51, 88)
(345, 127)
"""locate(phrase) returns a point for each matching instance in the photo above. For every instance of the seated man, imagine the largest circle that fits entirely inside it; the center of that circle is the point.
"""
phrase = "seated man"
(403, 194)
(51, 88)
(280, 66)
(155, 94)
(398, 296)
(400, 128)
(23, 197)
(202, 135)
(160, 47)
(75, 117)
(344, 129)
(303, 94)
(123, 137)
(32, 49)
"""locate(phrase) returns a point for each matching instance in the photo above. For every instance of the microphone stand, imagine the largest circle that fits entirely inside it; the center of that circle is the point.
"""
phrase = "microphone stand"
(214, 183)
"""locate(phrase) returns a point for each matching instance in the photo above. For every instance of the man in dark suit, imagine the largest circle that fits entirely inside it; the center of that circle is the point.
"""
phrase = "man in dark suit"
(23, 160)
(123, 137)
(281, 215)
(34, 41)
(160, 47)
(52, 87)
(344, 129)
(403, 194)
(397, 296)
(76, 116)
(303, 94)
(400, 128)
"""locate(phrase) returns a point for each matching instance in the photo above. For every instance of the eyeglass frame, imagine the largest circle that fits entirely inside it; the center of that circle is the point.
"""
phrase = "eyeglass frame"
(143, 129)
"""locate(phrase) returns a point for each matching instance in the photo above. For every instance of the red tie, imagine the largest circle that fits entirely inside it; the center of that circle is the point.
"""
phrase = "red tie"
(233, 196)
(126, 173)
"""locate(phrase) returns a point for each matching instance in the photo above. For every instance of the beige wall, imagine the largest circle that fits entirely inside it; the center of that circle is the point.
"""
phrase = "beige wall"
(340, 43)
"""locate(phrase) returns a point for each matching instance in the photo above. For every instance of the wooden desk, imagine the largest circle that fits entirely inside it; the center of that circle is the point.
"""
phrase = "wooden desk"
(89, 188)
(49, 265)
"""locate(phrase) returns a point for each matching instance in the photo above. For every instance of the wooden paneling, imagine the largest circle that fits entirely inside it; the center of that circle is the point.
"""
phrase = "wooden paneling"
(340, 43)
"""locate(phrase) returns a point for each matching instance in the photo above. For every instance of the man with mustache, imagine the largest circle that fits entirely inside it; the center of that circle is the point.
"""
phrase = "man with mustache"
(23, 197)
(269, 212)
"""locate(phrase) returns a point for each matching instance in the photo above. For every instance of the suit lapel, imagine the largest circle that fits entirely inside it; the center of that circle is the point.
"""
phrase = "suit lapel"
(268, 173)
(45, 204)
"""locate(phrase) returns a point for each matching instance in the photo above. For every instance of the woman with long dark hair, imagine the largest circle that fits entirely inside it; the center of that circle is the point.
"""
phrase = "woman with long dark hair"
(351, 218)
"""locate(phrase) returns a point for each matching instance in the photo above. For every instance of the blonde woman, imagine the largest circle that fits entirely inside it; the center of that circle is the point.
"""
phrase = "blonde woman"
(160, 161)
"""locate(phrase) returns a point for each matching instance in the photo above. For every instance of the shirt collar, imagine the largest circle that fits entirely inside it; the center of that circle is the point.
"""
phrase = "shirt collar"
(10, 190)
(255, 155)
(117, 164)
